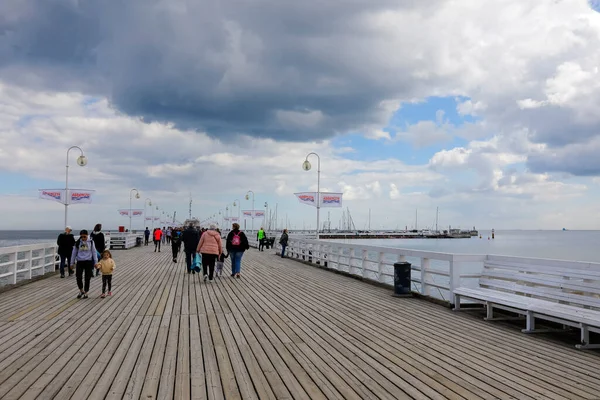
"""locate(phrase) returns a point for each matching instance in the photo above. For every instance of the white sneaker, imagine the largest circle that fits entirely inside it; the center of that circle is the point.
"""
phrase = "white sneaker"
(211, 280)
(205, 278)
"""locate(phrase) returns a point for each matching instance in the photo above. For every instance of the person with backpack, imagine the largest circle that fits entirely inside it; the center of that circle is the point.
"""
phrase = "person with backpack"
(283, 241)
(146, 236)
(236, 244)
(84, 258)
(190, 239)
(210, 247)
(65, 242)
(260, 236)
(99, 241)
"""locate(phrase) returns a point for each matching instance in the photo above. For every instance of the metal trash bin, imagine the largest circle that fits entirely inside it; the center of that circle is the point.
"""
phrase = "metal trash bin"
(402, 279)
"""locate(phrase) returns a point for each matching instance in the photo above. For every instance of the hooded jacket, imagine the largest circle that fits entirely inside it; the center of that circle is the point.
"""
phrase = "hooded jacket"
(210, 243)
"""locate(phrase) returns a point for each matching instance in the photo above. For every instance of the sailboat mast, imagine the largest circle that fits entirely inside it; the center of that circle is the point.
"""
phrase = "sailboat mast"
(437, 212)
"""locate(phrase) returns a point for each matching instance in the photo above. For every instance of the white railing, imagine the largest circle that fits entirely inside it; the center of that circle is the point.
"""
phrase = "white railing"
(124, 240)
(433, 274)
(19, 263)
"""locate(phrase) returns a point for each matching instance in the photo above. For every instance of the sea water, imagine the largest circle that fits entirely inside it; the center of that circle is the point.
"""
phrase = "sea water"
(560, 245)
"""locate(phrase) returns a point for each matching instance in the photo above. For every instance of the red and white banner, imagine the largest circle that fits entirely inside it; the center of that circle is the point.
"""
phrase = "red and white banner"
(75, 196)
(79, 196)
(53, 195)
(253, 213)
(309, 198)
(134, 213)
(331, 200)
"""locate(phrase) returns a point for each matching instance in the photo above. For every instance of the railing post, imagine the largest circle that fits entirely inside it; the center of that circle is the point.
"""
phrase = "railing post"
(30, 263)
(365, 254)
(380, 266)
(16, 267)
(454, 273)
(425, 289)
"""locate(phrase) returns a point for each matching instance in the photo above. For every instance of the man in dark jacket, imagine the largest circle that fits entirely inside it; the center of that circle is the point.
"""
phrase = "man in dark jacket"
(283, 241)
(99, 242)
(65, 243)
(190, 239)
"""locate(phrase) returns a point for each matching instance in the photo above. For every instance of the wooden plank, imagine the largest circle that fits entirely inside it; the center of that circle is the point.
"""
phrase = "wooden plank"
(330, 289)
(285, 330)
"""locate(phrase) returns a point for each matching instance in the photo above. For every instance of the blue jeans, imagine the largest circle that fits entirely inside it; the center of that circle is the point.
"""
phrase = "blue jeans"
(236, 261)
(283, 246)
(65, 261)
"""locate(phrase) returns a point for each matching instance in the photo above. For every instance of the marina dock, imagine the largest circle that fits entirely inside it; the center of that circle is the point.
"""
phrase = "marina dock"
(285, 330)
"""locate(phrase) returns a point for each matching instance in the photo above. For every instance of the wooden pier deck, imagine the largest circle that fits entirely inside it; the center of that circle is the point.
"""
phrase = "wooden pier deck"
(283, 331)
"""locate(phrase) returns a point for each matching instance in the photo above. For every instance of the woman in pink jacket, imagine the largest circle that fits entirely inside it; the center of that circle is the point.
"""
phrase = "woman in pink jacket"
(210, 247)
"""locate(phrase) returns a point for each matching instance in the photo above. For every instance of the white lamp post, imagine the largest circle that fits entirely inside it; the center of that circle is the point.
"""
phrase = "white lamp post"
(306, 166)
(239, 206)
(266, 221)
(137, 196)
(82, 162)
(248, 198)
(148, 201)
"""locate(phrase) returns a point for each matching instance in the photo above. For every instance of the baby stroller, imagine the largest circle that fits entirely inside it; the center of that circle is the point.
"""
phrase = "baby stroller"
(219, 264)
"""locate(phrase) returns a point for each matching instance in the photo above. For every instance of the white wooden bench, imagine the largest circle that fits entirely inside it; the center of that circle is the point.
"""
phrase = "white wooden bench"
(564, 292)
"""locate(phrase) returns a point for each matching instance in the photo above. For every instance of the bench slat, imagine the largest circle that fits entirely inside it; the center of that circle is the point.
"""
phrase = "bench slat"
(546, 292)
(590, 272)
(562, 311)
(575, 285)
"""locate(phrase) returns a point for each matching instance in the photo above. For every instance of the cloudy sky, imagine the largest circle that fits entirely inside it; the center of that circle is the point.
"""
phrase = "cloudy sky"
(485, 109)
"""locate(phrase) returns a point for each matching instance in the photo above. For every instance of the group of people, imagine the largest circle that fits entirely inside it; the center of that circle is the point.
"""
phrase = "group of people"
(164, 236)
(88, 253)
(208, 244)
(83, 256)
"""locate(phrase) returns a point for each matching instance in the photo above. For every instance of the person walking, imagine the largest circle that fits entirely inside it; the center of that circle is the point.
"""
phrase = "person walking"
(84, 257)
(260, 236)
(236, 244)
(190, 239)
(163, 236)
(146, 236)
(106, 265)
(175, 243)
(99, 241)
(169, 233)
(283, 241)
(157, 239)
(210, 247)
(65, 242)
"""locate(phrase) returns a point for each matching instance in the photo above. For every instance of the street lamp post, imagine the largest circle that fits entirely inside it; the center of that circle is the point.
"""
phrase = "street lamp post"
(148, 201)
(82, 162)
(248, 198)
(266, 220)
(239, 206)
(306, 166)
(137, 196)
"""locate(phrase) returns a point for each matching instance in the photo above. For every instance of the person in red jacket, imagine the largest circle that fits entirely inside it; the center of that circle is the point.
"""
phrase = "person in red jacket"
(157, 238)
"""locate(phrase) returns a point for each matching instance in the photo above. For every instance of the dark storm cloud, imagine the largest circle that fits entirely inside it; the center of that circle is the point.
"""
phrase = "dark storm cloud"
(293, 70)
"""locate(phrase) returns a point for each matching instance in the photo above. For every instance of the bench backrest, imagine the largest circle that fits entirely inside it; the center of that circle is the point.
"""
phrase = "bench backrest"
(573, 283)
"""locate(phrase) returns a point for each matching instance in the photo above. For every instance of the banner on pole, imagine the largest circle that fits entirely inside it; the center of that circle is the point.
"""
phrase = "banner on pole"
(57, 195)
(247, 213)
(309, 198)
(331, 200)
(79, 196)
(259, 214)
(134, 213)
